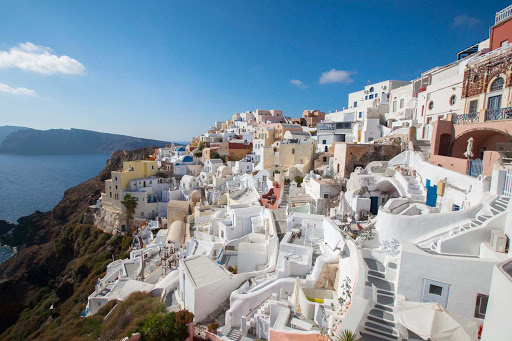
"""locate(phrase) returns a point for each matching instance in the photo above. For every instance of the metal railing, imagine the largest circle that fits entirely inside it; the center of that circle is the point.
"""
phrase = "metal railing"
(503, 14)
(498, 114)
(471, 117)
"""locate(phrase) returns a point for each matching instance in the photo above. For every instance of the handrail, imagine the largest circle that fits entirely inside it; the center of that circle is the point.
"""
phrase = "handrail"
(259, 305)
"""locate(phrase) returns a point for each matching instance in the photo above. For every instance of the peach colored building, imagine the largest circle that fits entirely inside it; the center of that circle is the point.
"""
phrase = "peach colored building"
(313, 117)
(501, 32)
(485, 114)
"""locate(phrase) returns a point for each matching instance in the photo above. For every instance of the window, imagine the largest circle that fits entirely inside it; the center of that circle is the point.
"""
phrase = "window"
(116, 178)
(116, 186)
(371, 96)
(293, 150)
(481, 305)
(435, 290)
(150, 182)
(497, 84)
(376, 94)
(504, 43)
(394, 106)
(473, 106)
(142, 214)
(355, 104)
(455, 207)
(370, 139)
(453, 99)
(111, 194)
(402, 101)
(431, 105)
(326, 195)
(324, 141)
(476, 78)
(325, 159)
(371, 89)
(366, 97)
(360, 114)
(152, 167)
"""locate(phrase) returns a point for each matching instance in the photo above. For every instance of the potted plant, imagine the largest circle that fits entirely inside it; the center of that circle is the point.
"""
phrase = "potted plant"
(212, 327)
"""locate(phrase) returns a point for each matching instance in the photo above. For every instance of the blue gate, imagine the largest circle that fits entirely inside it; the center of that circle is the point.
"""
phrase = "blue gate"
(374, 207)
(475, 167)
(431, 195)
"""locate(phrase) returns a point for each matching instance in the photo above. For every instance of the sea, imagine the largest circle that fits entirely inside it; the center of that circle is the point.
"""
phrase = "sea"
(37, 182)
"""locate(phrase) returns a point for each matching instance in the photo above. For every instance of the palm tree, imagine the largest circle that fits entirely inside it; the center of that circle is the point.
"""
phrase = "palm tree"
(130, 204)
(347, 335)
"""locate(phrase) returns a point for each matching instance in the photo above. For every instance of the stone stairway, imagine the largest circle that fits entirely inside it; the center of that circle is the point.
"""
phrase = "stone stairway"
(285, 195)
(414, 188)
(380, 322)
(496, 207)
(234, 334)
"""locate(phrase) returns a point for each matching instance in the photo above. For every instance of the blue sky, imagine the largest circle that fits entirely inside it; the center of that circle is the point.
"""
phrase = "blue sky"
(167, 70)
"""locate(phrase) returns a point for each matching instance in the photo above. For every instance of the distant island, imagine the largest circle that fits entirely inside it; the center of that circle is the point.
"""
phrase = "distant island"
(27, 141)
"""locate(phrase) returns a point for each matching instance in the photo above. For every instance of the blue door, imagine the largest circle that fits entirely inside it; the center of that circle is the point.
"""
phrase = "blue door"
(374, 207)
(431, 195)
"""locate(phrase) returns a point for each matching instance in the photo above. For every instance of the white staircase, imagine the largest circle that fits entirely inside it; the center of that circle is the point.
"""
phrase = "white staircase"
(496, 207)
(380, 322)
(415, 189)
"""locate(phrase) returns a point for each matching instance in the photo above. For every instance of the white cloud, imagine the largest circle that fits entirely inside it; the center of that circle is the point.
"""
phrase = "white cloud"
(298, 84)
(30, 57)
(336, 76)
(464, 20)
(17, 91)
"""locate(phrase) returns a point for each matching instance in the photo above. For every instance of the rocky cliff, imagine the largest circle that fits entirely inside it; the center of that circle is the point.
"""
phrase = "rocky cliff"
(59, 261)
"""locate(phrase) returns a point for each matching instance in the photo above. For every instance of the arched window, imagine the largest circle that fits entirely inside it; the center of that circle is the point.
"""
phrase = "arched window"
(497, 84)
(371, 89)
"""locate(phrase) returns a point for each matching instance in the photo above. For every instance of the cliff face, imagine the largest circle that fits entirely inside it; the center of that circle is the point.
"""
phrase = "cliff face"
(73, 141)
(60, 260)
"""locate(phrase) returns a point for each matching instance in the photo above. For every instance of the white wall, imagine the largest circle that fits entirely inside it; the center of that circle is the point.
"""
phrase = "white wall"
(497, 324)
(467, 277)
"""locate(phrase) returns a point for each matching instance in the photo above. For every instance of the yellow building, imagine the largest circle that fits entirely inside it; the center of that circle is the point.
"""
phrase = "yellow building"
(297, 155)
(264, 135)
(120, 179)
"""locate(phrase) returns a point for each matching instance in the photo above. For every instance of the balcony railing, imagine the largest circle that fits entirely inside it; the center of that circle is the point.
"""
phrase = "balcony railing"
(471, 117)
(503, 14)
(498, 114)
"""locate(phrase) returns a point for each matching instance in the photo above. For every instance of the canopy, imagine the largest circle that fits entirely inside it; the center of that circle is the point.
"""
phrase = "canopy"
(431, 320)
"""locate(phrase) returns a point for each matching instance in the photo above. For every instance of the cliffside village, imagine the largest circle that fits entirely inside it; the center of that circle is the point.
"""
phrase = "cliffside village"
(370, 219)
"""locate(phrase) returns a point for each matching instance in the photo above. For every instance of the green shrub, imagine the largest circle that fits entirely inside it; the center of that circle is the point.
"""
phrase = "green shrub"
(161, 326)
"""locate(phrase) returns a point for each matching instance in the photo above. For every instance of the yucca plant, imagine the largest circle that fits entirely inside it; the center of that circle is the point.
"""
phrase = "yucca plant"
(347, 335)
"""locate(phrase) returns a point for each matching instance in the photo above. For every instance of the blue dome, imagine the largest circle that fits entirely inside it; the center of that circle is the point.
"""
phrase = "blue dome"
(187, 159)
(180, 149)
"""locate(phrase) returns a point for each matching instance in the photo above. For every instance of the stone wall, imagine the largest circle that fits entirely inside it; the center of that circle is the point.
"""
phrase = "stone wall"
(485, 71)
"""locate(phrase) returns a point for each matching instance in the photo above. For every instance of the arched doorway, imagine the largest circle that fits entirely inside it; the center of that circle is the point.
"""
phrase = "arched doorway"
(444, 144)
(483, 140)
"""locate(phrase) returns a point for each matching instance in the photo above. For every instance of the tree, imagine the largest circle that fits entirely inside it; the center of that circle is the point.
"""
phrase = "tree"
(160, 326)
(130, 204)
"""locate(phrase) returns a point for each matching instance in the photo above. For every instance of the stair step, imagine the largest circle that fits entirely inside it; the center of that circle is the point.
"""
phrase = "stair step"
(384, 308)
(381, 321)
(385, 330)
(381, 283)
(371, 336)
(375, 264)
(382, 314)
(376, 274)
(385, 300)
(385, 292)
(495, 212)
